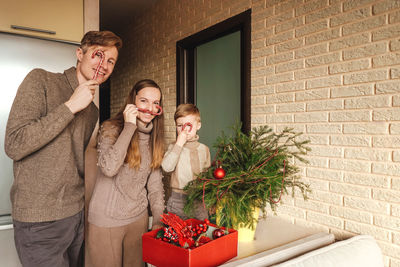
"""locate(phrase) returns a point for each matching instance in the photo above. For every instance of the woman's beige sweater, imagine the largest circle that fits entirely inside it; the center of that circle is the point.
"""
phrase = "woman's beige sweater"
(121, 194)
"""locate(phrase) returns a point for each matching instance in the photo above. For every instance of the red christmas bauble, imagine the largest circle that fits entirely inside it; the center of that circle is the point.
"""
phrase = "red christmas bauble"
(219, 173)
(218, 233)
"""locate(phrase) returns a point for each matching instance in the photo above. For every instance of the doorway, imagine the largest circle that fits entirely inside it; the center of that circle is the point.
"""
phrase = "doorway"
(213, 72)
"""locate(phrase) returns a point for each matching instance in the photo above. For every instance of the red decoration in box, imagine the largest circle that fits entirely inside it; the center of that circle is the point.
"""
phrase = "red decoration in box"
(217, 233)
(180, 233)
(183, 232)
(211, 253)
(203, 240)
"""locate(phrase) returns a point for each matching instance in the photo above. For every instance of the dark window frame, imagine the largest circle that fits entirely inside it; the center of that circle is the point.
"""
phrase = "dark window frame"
(185, 62)
(104, 101)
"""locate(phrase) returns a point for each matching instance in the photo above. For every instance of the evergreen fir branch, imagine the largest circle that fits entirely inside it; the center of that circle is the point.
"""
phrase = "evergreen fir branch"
(254, 166)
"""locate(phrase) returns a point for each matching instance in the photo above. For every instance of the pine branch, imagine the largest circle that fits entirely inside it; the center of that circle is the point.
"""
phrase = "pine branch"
(259, 170)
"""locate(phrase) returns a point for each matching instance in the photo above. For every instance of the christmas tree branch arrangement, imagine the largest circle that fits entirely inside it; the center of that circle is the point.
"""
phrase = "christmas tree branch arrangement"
(249, 172)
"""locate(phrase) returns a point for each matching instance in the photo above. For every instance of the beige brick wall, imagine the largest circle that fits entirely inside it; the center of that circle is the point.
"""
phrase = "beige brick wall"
(329, 68)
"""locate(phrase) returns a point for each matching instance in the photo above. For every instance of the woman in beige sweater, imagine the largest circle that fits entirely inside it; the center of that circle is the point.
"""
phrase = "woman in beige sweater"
(130, 151)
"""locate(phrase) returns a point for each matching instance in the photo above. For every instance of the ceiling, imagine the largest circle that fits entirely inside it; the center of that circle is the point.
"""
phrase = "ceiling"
(114, 14)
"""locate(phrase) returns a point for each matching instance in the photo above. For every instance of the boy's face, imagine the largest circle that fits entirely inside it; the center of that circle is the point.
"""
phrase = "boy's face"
(193, 120)
(87, 64)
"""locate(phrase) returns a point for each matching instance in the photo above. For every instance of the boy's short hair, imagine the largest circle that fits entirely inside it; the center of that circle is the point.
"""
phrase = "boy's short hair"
(187, 109)
(103, 38)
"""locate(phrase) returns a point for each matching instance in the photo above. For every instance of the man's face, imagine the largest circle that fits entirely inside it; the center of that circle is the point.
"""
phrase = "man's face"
(87, 64)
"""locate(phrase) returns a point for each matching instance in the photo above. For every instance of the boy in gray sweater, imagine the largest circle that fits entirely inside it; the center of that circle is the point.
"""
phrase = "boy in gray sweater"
(185, 159)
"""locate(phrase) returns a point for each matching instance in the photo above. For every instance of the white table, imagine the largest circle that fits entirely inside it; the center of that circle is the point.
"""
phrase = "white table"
(277, 240)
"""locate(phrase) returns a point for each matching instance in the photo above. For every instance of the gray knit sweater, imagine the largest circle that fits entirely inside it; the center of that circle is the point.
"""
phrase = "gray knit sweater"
(47, 143)
(184, 163)
(121, 194)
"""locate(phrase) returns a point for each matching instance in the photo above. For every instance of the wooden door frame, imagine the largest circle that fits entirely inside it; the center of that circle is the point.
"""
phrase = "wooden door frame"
(186, 59)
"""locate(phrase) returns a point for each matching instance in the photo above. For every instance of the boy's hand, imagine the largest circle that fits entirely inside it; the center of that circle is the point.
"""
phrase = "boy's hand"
(182, 137)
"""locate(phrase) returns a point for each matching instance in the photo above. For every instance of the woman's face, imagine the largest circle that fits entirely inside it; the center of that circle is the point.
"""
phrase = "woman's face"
(147, 98)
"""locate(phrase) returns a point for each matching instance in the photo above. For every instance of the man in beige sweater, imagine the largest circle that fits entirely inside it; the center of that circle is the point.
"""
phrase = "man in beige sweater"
(48, 129)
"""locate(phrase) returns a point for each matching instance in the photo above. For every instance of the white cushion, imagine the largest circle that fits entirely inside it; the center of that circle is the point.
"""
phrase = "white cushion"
(362, 251)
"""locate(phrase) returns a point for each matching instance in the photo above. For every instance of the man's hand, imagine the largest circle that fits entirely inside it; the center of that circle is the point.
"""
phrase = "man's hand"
(82, 96)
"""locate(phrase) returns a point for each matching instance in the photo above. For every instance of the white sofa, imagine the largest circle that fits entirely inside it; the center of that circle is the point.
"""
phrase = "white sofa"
(283, 244)
(358, 251)
(318, 250)
(280, 243)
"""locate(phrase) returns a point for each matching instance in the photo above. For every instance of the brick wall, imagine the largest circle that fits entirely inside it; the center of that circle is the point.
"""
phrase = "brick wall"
(328, 68)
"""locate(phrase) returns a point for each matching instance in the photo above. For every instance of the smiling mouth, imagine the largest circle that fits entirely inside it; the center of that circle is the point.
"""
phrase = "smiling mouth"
(100, 73)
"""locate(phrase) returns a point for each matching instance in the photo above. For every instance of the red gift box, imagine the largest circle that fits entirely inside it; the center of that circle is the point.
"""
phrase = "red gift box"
(213, 253)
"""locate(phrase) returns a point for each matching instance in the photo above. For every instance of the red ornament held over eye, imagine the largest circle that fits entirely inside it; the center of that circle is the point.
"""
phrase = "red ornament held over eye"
(219, 173)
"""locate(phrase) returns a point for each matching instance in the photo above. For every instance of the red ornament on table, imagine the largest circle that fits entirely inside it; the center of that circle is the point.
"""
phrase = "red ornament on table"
(218, 233)
(219, 173)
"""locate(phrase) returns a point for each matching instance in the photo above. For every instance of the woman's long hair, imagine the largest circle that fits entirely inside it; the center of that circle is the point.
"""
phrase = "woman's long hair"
(156, 136)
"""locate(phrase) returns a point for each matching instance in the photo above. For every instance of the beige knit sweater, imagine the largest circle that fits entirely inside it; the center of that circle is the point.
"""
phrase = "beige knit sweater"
(121, 194)
(47, 143)
(185, 162)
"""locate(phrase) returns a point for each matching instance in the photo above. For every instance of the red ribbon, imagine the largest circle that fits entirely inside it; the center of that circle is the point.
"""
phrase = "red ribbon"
(101, 55)
(220, 197)
(204, 189)
(283, 180)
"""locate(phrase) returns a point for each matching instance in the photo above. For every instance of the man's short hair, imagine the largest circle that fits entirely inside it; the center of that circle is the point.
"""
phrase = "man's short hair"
(187, 109)
(102, 38)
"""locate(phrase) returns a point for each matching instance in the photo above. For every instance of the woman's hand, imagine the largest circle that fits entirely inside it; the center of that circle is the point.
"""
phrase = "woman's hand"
(130, 113)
